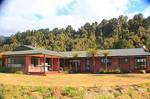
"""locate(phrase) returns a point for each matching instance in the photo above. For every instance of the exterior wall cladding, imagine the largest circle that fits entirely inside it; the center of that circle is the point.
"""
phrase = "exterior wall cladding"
(130, 66)
(127, 60)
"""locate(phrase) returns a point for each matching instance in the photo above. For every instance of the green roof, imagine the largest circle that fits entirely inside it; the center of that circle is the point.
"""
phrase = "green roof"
(112, 52)
(29, 50)
(25, 49)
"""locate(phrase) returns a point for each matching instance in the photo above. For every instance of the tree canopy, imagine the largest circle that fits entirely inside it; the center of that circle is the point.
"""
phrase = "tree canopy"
(118, 32)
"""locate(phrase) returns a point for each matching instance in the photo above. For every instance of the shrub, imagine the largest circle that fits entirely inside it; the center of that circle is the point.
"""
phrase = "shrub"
(110, 71)
(148, 89)
(8, 69)
(101, 71)
(18, 72)
(116, 70)
(71, 92)
(66, 72)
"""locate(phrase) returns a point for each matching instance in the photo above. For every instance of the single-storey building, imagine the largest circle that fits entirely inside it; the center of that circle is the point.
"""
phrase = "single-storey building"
(33, 60)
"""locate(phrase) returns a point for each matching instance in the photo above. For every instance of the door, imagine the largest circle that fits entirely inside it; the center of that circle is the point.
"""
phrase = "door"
(88, 65)
(125, 64)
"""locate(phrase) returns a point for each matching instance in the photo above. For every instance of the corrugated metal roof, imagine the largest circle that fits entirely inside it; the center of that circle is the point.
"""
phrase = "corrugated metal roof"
(112, 52)
(69, 54)
(33, 51)
(128, 52)
(22, 52)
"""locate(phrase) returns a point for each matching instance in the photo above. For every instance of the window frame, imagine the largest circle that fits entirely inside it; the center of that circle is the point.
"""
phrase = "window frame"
(16, 60)
(140, 63)
(74, 62)
(125, 60)
(38, 61)
(103, 61)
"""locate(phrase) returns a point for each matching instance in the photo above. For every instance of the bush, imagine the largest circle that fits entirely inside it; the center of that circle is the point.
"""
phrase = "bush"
(66, 72)
(110, 71)
(71, 92)
(18, 72)
(8, 69)
(148, 89)
(116, 70)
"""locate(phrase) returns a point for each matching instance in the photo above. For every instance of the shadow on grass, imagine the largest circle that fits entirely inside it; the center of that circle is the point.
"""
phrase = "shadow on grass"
(132, 76)
(123, 75)
(103, 74)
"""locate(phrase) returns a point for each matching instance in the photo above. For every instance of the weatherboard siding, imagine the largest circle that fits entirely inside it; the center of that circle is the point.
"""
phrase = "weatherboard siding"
(148, 63)
(28, 63)
(82, 64)
(132, 63)
(56, 64)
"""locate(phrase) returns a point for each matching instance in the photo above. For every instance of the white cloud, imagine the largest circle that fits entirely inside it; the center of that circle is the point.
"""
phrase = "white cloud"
(20, 15)
(146, 12)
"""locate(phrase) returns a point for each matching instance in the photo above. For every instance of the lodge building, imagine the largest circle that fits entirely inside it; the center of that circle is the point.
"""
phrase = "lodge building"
(33, 60)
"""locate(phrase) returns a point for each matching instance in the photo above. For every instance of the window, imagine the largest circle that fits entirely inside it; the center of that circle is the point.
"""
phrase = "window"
(35, 61)
(140, 62)
(49, 61)
(125, 60)
(103, 61)
(74, 62)
(16, 60)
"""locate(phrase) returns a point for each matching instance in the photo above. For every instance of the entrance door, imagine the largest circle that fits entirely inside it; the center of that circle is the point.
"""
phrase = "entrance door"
(88, 65)
(125, 64)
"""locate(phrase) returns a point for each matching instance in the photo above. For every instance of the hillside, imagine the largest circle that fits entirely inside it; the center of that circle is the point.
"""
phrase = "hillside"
(118, 32)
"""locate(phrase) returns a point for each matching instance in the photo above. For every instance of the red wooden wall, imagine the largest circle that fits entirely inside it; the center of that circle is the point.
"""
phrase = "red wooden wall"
(56, 64)
(148, 63)
(116, 63)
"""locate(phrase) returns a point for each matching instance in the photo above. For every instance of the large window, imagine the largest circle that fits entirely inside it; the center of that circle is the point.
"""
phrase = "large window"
(74, 62)
(16, 60)
(35, 61)
(105, 61)
(49, 61)
(140, 62)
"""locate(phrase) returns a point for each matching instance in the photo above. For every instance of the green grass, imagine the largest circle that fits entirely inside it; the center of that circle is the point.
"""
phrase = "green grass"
(71, 92)
(29, 92)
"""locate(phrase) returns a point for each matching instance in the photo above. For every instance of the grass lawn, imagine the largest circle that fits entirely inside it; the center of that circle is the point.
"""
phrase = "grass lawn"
(75, 80)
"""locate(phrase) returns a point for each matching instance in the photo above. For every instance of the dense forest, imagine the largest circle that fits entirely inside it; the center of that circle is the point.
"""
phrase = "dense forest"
(115, 33)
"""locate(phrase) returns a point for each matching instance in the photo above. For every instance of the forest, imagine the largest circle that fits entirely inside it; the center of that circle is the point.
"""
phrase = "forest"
(114, 33)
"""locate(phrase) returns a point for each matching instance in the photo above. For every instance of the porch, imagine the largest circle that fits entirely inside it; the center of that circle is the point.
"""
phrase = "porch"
(34, 64)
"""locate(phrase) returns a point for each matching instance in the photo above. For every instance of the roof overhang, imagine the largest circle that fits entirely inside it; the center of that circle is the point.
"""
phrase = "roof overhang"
(29, 52)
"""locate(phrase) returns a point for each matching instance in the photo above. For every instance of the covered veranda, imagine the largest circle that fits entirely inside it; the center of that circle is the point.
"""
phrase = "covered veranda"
(33, 62)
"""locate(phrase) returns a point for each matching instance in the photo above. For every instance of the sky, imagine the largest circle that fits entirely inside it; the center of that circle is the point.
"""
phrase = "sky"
(21, 15)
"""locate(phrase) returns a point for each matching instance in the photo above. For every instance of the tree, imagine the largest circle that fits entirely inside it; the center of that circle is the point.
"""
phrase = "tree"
(105, 53)
(92, 52)
(1, 54)
(75, 56)
(114, 33)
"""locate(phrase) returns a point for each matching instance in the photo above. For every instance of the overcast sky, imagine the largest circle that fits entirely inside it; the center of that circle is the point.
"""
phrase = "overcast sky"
(20, 15)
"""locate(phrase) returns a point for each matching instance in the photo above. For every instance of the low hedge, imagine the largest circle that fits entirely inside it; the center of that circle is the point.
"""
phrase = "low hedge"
(109, 71)
(8, 69)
